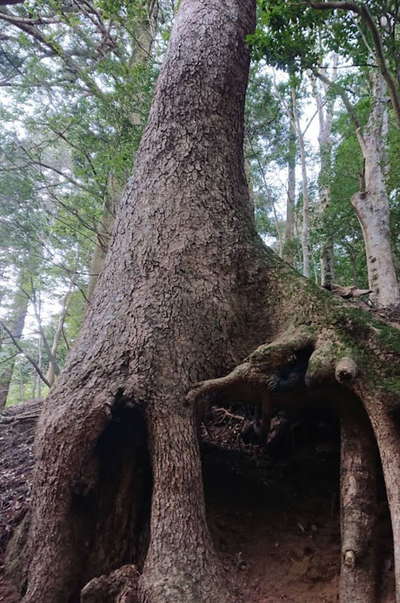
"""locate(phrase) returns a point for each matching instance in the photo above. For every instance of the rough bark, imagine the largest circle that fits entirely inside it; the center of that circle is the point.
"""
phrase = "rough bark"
(188, 290)
(372, 204)
(155, 275)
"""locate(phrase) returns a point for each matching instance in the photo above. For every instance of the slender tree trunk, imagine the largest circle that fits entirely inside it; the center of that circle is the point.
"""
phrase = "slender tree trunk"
(16, 325)
(325, 115)
(387, 436)
(288, 252)
(305, 235)
(38, 379)
(53, 369)
(372, 204)
(359, 476)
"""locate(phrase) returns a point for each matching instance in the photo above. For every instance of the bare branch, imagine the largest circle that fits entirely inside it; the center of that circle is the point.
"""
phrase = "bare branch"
(27, 356)
(350, 109)
(17, 19)
(362, 11)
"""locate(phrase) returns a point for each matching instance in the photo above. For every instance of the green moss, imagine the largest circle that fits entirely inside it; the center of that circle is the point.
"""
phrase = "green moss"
(392, 384)
(390, 337)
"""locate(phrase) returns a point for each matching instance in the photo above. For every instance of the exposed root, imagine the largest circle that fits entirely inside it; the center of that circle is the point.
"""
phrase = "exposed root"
(118, 587)
(259, 373)
(359, 477)
(349, 291)
(222, 413)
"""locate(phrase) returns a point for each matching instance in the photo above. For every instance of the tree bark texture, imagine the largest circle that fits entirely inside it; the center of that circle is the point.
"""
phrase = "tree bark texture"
(372, 203)
(179, 262)
(188, 291)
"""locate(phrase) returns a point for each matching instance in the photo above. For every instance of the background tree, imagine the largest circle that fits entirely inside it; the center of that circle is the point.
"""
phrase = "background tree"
(187, 291)
(88, 70)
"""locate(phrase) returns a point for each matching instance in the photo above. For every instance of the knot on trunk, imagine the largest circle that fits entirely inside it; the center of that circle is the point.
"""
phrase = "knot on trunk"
(349, 559)
(346, 370)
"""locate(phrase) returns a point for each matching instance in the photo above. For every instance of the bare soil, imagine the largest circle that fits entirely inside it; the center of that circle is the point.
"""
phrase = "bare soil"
(274, 517)
(276, 521)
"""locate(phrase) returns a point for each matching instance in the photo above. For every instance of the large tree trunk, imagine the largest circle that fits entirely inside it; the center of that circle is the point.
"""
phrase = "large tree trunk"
(372, 203)
(188, 289)
(168, 310)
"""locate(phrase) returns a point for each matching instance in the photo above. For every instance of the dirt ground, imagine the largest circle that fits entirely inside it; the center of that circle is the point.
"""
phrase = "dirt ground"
(274, 518)
(276, 523)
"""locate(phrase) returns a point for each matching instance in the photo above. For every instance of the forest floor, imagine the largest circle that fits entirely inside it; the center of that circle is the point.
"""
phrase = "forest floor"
(276, 521)
(274, 514)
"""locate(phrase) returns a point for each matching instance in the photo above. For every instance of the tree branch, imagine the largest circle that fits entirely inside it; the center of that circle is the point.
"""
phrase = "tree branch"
(17, 19)
(362, 11)
(27, 356)
(350, 109)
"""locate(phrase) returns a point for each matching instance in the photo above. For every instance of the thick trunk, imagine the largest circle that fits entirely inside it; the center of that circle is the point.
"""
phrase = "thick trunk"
(188, 290)
(181, 254)
(16, 326)
(372, 204)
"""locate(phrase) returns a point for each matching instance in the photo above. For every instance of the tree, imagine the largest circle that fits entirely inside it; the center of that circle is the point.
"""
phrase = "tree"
(371, 201)
(188, 289)
(16, 325)
(325, 107)
(383, 31)
(294, 37)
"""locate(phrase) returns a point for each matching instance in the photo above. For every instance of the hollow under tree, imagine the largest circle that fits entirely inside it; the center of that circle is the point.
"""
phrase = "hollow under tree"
(188, 290)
